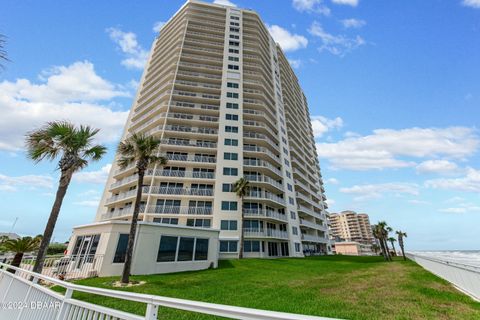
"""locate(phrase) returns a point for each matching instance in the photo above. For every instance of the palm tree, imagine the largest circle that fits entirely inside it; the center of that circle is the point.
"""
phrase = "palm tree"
(142, 151)
(384, 230)
(75, 148)
(3, 52)
(392, 240)
(241, 187)
(401, 235)
(21, 246)
(378, 234)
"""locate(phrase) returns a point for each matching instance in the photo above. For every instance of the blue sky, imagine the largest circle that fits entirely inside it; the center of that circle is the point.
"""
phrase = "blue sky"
(393, 88)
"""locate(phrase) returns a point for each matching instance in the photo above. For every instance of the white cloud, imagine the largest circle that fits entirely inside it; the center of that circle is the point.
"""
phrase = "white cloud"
(415, 201)
(471, 3)
(287, 41)
(372, 191)
(295, 63)
(353, 23)
(99, 176)
(437, 166)
(338, 45)
(332, 181)
(469, 183)
(225, 3)
(330, 202)
(462, 208)
(88, 203)
(136, 56)
(352, 3)
(12, 184)
(64, 93)
(157, 26)
(312, 6)
(383, 148)
(321, 125)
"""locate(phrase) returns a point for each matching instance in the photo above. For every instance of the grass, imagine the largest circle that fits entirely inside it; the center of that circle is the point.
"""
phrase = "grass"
(334, 286)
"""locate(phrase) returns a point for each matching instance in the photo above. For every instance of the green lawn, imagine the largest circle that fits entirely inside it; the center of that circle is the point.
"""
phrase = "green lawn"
(334, 286)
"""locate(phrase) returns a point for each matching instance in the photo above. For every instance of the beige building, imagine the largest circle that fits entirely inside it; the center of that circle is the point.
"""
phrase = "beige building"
(353, 248)
(220, 94)
(350, 226)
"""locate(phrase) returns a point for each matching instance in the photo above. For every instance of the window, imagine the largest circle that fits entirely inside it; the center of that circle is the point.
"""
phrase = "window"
(167, 249)
(233, 51)
(230, 171)
(231, 105)
(185, 249)
(201, 249)
(236, 24)
(284, 140)
(287, 163)
(289, 187)
(285, 150)
(291, 201)
(230, 156)
(228, 225)
(228, 246)
(233, 67)
(297, 247)
(232, 95)
(231, 142)
(234, 36)
(199, 223)
(234, 18)
(231, 129)
(295, 230)
(166, 220)
(289, 175)
(293, 215)
(251, 246)
(121, 250)
(233, 117)
(232, 29)
(232, 84)
(234, 43)
(227, 187)
(229, 205)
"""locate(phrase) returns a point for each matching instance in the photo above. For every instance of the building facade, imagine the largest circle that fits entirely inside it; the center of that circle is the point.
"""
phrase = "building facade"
(223, 99)
(350, 226)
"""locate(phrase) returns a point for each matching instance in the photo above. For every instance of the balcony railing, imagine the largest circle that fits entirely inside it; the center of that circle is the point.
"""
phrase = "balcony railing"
(179, 210)
(179, 191)
(198, 144)
(311, 238)
(182, 174)
(265, 233)
(190, 158)
(265, 195)
(263, 213)
(261, 163)
(263, 178)
(261, 150)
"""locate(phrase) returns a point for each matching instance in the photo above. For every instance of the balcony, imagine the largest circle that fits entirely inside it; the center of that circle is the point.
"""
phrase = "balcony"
(311, 238)
(264, 179)
(122, 196)
(262, 138)
(183, 210)
(264, 214)
(262, 151)
(182, 143)
(313, 225)
(262, 195)
(190, 158)
(179, 191)
(181, 174)
(265, 233)
(262, 164)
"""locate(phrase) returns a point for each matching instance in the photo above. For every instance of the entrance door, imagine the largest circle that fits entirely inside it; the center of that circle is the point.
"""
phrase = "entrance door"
(284, 249)
(272, 249)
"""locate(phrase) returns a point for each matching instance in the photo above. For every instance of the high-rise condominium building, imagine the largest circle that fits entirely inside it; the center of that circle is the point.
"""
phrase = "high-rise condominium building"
(350, 226)
(223, 99)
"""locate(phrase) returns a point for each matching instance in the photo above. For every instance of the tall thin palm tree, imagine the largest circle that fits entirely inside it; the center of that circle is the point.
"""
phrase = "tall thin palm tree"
(20, 247)
(378, 234)
(241, 187)
(392, 241)
(75, 148)
(384, 230)
(3, 52)
(142, 151)
(401, 235)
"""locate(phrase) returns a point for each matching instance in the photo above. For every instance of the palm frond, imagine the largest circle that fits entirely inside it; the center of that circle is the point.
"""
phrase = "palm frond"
(95, 153)
(125, 161)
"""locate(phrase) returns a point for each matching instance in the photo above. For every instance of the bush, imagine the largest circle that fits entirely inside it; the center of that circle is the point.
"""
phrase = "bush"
(56, 248)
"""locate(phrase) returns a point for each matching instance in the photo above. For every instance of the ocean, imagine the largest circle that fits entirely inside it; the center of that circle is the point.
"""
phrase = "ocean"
(467, 257)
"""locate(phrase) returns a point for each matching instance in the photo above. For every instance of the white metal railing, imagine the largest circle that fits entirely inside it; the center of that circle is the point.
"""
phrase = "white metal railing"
(181, 174)
(192, 158)
(265, 195)
(24, 287)
(264, 213)
(263, 178)
(312, 238)
(463, 276)
(179, 191)
(197, 144)
(264, 233)
(261, 163)
(179, 210)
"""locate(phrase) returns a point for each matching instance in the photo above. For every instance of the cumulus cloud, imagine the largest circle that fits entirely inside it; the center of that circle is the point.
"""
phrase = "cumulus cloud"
(11, 184)
(352, 3)
(287, 40)
(88, 203)
(135, 55)
(321, 125)
(332, 181)
(338, 45)
(63, 93)
(353, 23)
(472, 3)
(98, 176)
(157, 26)
(311, 6)
(384, 147)
(437, 166)
(468, 183)
(462, 208)
(372, 191)
(295, 63)
(225, 3)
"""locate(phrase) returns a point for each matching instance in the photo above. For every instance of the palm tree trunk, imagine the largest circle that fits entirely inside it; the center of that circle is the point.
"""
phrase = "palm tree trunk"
(64, 182)
(403, 252)
(133, 229)
(17, 260)
(240, 254)
(389, 257)
(382, 247)
(393, 247)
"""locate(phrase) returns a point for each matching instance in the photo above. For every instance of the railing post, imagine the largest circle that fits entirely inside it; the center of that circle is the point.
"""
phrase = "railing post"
(63, 308)
(152, 312)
